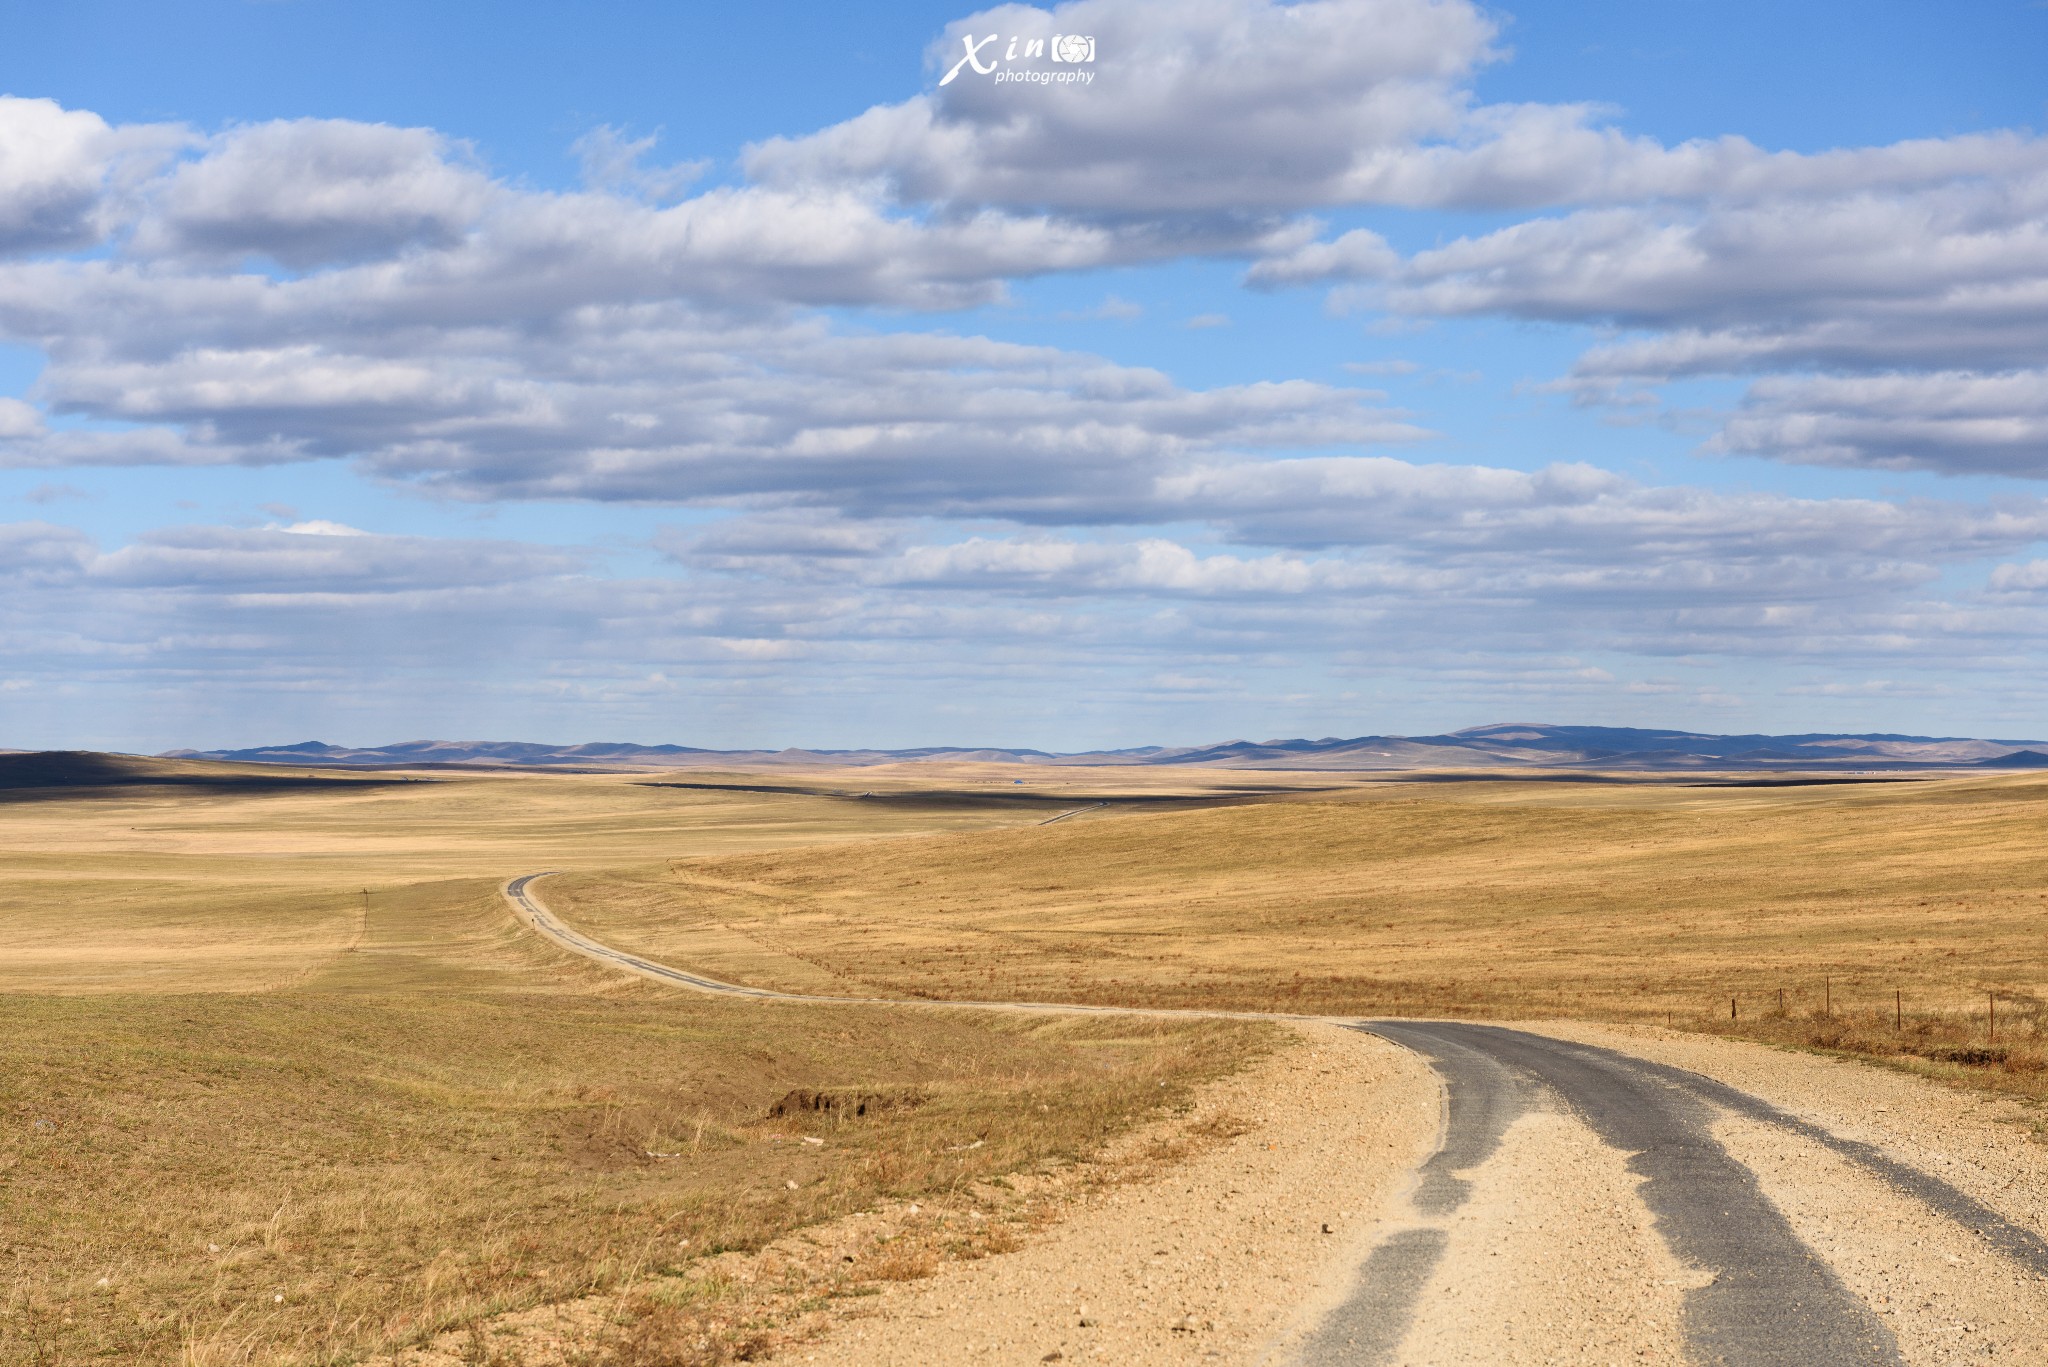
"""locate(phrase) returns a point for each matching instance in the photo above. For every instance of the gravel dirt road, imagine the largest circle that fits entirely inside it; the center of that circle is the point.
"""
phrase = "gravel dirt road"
(1674, 1200)
(1421, 1193)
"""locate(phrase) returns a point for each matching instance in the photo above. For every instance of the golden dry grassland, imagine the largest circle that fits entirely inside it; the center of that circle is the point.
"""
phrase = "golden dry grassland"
(249, 1116)
(1623, 901)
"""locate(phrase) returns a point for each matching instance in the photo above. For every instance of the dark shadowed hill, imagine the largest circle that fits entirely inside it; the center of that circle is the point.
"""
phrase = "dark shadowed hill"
(1504, 747)
(2018, 759)
(27, 772)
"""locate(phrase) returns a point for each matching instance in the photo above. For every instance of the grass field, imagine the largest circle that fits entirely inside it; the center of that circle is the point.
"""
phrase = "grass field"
(250, 1114)
(1509, 899)
(248, 1117)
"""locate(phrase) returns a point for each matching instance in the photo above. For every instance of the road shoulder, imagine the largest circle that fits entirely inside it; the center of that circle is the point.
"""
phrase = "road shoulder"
(1214, 1233)
(1220, 1256)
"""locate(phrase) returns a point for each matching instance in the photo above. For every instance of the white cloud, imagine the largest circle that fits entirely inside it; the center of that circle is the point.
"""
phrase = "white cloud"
(38, 549)
(776, 613)
(309, 192)
(1815, 279)
(1948, 421)
(58, 167)
(1904, 290)
(615, 164)
(1224, 107)
(1360, 254)
(1147, 566)
(884, 504)
(652, 403)
(320, 527)
(746, 544)
(18, 419)
(2028, 577)
(319, 557)
(1233, 109)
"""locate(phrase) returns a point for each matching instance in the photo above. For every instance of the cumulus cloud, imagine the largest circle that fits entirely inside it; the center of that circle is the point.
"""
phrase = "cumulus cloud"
(1815, 279)
(669, 404)
(18, 419)
(1360, 254)
(59, 167)
(327, 290)
(1150, 566)
(1216, 106)
(1469, 540)
(1894, 299)
(36, 549)
(450, 329)
(787, 588)
(316, 556)
(308, 192)
(1951, 421)
(2028, 577)
(1224, 109)
(1575, 514)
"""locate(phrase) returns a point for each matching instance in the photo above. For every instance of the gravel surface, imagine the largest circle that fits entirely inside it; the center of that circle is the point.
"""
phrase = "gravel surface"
(1944, 1293)
(1986, 1145)
(1218, 1258)
(1551, 1259)
(1535, 1247)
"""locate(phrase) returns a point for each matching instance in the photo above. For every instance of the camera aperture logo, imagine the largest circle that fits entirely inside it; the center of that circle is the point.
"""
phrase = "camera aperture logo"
(1062, 49)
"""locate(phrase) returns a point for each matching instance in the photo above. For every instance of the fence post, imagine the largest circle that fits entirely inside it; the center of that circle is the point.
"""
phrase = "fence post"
(1898, 1010)
(1731, 1008)
(1994, 1016)
(1827, 996)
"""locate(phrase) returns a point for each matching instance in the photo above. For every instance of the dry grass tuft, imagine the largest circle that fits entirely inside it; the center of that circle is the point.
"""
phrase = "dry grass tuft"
(654, 1331)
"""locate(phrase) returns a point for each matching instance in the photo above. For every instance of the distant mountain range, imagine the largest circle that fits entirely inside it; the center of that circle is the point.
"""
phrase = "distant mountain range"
(1508, 746)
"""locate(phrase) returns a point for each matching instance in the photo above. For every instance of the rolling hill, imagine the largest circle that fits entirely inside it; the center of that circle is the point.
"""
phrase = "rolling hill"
(1506, 746)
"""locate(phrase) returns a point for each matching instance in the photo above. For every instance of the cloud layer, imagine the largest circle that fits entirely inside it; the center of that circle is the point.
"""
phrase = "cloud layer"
(856, 486)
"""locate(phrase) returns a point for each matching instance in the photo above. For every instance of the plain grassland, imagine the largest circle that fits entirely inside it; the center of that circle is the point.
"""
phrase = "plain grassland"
(247, 1116)
(1626, 901)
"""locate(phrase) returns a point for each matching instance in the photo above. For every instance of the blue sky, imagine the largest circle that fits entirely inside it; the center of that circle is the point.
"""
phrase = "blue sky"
(665, 373)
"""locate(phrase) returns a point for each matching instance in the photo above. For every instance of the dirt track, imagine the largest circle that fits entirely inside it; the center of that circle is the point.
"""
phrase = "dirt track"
(1597, 1195)
(1547, 1252)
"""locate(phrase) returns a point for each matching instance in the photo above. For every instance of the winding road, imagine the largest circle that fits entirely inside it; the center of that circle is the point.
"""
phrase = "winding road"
(1756, 1291)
